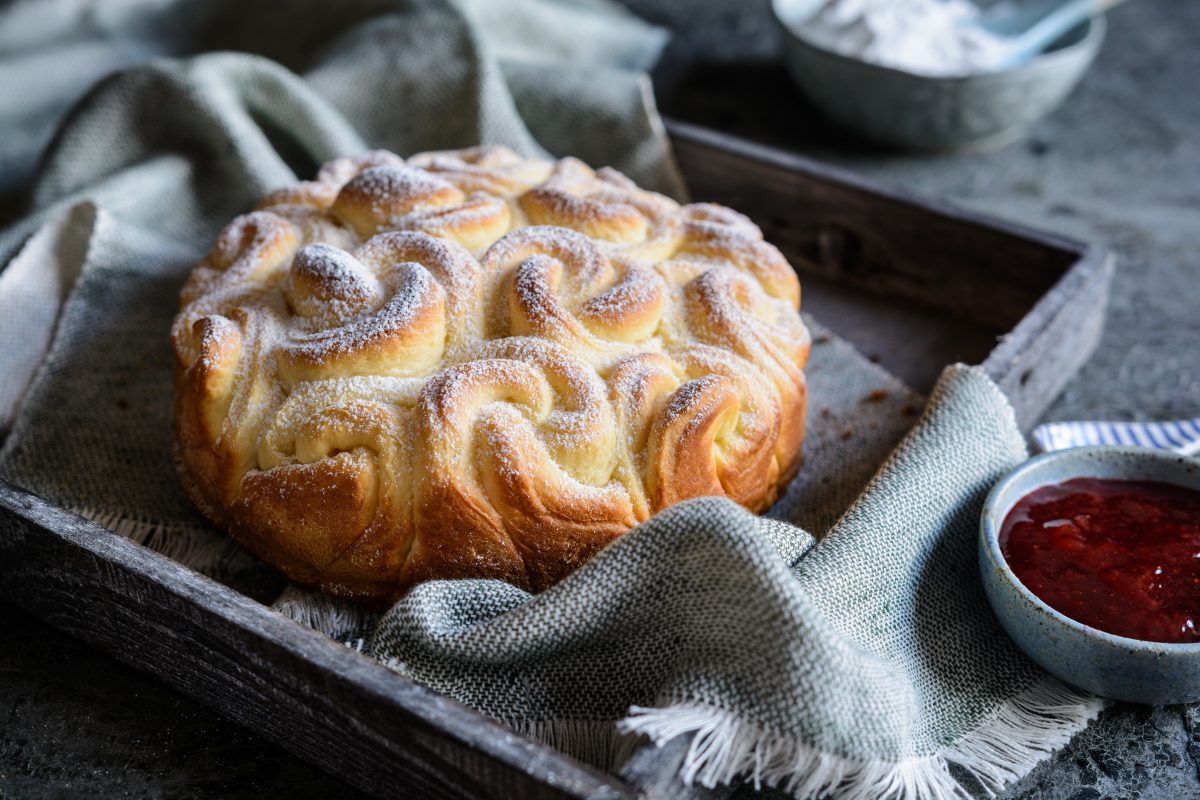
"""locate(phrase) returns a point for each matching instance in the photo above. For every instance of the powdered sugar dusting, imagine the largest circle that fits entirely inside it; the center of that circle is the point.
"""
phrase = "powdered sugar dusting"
(637, 295)
(328, 287)
(397, 338)
(385, 194)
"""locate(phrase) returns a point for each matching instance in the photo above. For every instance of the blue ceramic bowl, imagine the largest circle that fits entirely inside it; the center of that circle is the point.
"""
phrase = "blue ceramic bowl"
(921, 112)
(1104, 664)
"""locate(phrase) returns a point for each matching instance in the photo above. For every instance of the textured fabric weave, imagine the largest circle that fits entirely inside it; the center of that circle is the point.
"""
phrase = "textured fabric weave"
(875, 645)
(867, 664)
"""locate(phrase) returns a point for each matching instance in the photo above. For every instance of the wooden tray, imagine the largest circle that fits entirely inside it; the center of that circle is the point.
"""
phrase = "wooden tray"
(914, 284)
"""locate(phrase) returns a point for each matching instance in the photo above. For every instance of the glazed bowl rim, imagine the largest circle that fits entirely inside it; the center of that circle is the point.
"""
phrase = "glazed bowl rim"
(1090, 41)
(990, 537)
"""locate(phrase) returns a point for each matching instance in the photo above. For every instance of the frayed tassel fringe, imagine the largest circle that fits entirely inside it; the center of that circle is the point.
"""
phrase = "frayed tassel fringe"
(211, 553)
(338, 619)
(205, 551)
(598, 743)
(1000, 750)
(1023, 731)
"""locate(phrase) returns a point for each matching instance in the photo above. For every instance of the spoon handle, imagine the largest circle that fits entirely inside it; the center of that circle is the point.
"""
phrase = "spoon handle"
(1037, 24)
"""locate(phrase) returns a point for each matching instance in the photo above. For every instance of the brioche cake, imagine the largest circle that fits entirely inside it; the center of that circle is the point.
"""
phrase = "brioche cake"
(472, 364)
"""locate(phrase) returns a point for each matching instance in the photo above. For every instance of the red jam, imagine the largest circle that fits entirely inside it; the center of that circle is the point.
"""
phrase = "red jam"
(1121, 556)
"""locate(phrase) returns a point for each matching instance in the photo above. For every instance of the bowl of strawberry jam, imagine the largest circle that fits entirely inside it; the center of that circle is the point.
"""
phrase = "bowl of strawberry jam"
(1091, 560)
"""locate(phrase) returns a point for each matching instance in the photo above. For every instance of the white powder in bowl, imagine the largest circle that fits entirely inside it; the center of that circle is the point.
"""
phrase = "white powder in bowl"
(927, 37)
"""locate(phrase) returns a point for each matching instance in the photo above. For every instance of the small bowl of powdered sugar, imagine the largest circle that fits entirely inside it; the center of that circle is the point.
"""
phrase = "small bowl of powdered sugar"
(921, 74)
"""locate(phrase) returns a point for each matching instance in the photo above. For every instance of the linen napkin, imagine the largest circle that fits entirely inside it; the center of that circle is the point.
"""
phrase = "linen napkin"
(864, 665)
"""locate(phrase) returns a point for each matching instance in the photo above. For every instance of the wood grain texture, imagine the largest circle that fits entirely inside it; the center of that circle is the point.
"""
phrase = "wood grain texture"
(320, 700)
(393, 738)
(1033, 363)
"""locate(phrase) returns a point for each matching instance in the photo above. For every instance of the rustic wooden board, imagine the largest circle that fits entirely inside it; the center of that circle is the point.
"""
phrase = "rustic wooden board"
(914, 283)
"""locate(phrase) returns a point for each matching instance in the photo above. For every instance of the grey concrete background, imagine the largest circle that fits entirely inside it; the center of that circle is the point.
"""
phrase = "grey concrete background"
(1120, 163)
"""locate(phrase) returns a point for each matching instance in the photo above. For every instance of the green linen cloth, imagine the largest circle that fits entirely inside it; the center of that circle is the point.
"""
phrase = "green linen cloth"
(865, 665)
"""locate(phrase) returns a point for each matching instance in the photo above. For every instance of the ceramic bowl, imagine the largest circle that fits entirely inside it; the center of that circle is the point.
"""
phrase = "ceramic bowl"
(1102, 663)
(933, 113)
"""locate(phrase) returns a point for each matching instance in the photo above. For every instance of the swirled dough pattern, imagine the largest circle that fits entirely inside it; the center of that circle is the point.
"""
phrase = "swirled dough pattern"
(471, 364)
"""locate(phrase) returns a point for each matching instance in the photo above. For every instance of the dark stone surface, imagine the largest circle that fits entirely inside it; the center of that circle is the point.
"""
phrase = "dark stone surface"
(1120, 163)
(1130, 752)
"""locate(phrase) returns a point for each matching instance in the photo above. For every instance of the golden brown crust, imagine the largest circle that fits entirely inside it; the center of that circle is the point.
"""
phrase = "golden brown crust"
(471, 364)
